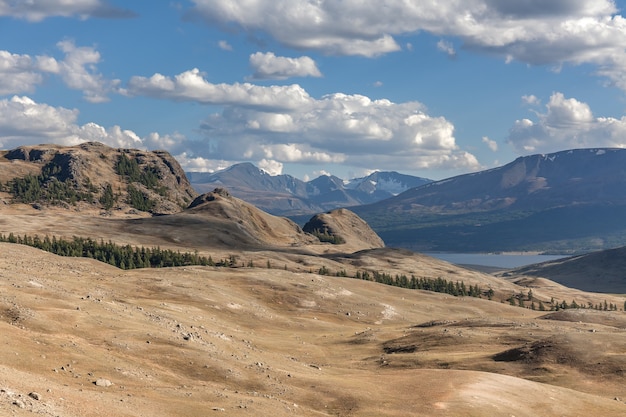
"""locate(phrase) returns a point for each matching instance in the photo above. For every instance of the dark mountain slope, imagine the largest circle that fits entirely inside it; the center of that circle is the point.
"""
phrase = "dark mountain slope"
(570, 200)
(601, 271)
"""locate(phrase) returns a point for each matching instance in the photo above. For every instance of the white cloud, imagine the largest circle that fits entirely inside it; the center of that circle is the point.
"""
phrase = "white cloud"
(566, 124)
(531, 100)
(225, 45)
(491, 144)
(78, 72)
(22, 73)
(199, 164)
(271, 167)
(446, 47)
(285, 124)
(191, 86)
(268, 66)
(378, 84)
(36, 11)
(18, 73)
(550, 33)
(25, 122)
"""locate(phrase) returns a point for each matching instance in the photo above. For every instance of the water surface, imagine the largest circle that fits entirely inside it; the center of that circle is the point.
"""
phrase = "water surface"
(505, 261)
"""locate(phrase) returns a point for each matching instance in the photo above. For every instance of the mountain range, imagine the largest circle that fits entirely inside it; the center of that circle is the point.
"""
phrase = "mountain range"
(288, 196)
(565, 202)
(572, 201)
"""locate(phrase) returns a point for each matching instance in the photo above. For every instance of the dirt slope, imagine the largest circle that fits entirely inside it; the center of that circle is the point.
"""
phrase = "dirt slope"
(194, 341)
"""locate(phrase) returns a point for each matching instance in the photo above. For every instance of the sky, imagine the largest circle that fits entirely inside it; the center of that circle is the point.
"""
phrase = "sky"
(311, 87)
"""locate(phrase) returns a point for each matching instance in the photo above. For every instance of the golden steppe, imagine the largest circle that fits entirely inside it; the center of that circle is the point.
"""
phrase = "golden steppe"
(278, 339)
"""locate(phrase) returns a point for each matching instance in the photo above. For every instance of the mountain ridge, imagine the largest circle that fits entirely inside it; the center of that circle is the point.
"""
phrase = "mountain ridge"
(566, 201)
(288, 196)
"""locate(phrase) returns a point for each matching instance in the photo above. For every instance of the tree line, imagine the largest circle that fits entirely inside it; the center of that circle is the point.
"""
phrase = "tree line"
(121, 256)
(130, 257)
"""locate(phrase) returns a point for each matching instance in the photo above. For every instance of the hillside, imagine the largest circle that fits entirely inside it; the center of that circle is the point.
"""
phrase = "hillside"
(600, 271)
(92, 176)
(533, 203)
(282, 323)
(288, 196)
(341, 226)
(82, 338)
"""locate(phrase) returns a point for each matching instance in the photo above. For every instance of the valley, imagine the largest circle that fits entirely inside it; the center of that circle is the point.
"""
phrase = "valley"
(288, 324)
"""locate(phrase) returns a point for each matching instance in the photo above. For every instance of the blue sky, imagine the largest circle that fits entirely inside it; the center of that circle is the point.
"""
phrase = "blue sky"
(306, 87)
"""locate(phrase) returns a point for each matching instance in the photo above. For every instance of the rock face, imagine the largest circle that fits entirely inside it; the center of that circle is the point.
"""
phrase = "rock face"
(346, 227)
(149, 181)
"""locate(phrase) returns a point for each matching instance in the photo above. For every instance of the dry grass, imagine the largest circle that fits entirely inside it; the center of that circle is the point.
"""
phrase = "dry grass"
(270, 341)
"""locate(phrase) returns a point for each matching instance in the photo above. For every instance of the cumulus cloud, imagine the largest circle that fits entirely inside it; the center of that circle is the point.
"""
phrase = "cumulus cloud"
(191, 86)
(22, 73)
(271, 167)
(78, 72)
(36, 11)
(491, 144)
(286, 124)
(566, 124)
(24, 121)
(18, 73)
(536, 32)
(268, 66)
(199, 164)
(531, 100)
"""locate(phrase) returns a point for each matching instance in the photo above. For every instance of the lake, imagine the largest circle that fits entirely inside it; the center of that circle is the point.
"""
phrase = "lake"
(505, 261)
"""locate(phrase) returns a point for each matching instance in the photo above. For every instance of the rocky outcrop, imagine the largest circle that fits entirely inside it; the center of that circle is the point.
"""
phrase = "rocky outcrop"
(342, 226)
(155, 181)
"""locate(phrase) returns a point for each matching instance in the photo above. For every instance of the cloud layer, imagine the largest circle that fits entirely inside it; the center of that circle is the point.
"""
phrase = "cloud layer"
(535, 32)
(286, 124)
(24, 121)
(36, 11)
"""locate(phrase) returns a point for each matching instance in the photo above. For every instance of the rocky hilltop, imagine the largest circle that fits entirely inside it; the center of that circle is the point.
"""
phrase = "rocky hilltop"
(341, 226)
(92, 175)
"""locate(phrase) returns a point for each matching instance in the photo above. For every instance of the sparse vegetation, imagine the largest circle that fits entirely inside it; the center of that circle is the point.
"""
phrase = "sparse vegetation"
(49, 187)
(137, 199)
(130, 169)
(325, 236)
(108, 198)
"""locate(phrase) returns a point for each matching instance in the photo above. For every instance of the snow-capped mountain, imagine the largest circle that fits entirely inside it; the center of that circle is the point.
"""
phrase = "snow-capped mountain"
(287, 195)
